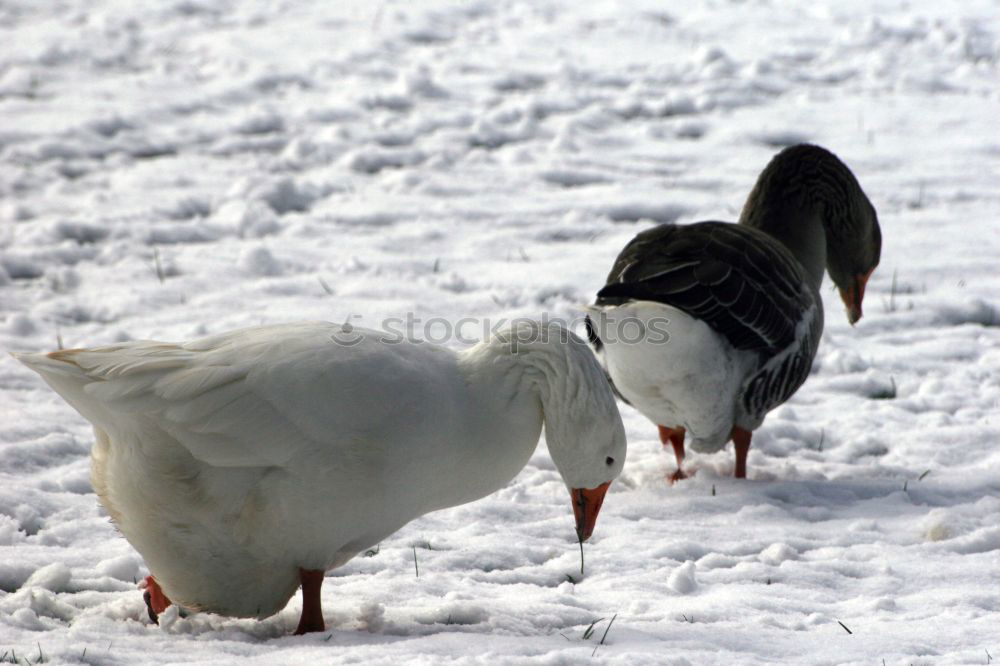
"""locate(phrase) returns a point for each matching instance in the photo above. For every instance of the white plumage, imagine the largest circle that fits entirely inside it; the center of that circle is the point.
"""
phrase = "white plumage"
(689, 375)
(235, 461)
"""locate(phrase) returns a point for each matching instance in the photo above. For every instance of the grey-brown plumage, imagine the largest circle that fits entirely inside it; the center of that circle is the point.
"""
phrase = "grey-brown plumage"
(740, 281)
(806, 197)
(754, 284)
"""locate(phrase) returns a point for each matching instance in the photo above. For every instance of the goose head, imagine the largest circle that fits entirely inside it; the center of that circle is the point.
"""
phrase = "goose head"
(854, 247)
(583, 429)
(807, 198)
(588, 449)
(585, 436)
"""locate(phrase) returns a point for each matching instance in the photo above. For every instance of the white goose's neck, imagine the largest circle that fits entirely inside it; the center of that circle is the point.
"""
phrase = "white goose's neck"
(535, 373)
(506, 389)
(546, 361)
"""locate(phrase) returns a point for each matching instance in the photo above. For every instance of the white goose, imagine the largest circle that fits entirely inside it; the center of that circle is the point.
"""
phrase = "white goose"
(705, 328)
(246, 464)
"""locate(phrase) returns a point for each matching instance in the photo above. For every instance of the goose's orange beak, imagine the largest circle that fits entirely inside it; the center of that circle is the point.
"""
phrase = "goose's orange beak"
(853, 295)
(586, 506)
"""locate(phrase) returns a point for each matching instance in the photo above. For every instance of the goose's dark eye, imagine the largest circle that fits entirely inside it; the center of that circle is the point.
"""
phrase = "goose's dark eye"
(609, 461)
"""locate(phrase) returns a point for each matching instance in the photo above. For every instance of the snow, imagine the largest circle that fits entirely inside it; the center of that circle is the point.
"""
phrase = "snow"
(170, 170)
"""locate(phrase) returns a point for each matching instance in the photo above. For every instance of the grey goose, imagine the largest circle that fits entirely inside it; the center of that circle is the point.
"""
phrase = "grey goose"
(706, 327)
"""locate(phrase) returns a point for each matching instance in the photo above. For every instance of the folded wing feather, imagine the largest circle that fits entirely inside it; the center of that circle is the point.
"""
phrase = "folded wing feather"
(252, 398)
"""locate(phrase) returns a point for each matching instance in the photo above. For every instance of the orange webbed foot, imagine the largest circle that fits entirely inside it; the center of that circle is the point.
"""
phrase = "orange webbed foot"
(312, 608)
(675, 438)
(741, 443)
(156, 600)
(679, 475)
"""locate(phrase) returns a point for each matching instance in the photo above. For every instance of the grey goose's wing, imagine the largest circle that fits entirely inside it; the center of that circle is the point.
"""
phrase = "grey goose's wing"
(741, 282)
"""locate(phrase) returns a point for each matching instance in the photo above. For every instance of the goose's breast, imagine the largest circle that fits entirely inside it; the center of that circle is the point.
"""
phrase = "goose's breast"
(678, 373)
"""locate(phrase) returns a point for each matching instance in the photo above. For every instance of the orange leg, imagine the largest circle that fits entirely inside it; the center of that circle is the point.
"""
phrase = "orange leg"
(741, 442)
(675, 436)
(312, 608)
(156, 601)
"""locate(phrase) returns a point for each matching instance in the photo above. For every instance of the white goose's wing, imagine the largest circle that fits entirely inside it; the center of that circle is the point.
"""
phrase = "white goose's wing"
(253, 397)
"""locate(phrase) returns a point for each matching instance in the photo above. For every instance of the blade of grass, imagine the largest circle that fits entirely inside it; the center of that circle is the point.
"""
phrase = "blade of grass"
(158, 266)
(589, 631)
(606, 630)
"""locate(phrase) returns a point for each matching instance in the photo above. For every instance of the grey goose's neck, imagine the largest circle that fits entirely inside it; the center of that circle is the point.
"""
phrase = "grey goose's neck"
(806, 198)
(802, 232)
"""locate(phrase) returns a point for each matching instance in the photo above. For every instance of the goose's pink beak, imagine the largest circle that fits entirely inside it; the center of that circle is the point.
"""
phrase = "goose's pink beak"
(853, 295)
(586, 506)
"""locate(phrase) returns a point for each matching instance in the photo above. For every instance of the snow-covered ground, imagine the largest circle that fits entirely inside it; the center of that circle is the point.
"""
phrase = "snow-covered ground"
(171, 169)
